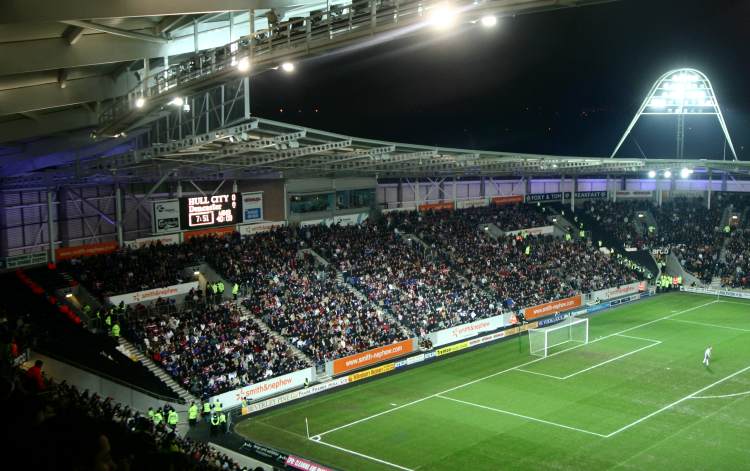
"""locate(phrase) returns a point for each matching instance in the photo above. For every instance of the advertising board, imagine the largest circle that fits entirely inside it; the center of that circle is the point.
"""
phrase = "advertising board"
(376, 355)
(252, 206)
(85, 250)
(167, 239)
(465, 331)
(153, 294)
(165, 216)
(264, 389)
(552, 307)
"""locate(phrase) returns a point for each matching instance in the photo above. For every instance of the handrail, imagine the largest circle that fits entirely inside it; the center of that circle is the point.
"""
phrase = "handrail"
(318, 25)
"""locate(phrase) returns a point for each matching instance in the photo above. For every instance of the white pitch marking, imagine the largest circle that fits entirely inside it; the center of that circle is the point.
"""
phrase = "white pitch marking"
(533, 419)
(610, 360)
(362, 455)
(723, 396)
(669, 406)
(469, 383)
(711, 325)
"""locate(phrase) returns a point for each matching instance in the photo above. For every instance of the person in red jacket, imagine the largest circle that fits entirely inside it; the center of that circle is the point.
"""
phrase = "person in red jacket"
(34, 376)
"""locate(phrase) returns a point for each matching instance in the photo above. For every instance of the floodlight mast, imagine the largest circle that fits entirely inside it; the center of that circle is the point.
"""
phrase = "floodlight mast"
(680, 92)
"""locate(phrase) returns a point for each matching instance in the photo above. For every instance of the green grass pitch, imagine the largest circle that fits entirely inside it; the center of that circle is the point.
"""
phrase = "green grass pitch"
(635, 398)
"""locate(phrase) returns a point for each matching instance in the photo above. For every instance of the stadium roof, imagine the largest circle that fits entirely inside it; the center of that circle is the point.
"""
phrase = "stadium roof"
(262, 148)
(66, 62)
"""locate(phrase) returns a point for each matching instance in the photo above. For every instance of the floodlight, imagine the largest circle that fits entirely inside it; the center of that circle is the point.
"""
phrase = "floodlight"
(640, 215)
(657, 102)
(443, 17)
(489, 21)
(287, 67)
(685, 172)
(139, 102)
(186, 107)
(196, 273)
(734, 216)
(667, 174)
(652, 174)
(177, 101)
(243, 65)
(69, 295)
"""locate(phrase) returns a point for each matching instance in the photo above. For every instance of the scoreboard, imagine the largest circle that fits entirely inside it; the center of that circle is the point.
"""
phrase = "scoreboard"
(197, 212)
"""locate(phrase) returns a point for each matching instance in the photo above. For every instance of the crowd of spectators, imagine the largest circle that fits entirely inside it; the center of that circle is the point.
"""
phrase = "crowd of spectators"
(422, 291)
(625, 220)
(693, 232)
(736, 266)
(523, 270)
(129, 270)
(209, 348)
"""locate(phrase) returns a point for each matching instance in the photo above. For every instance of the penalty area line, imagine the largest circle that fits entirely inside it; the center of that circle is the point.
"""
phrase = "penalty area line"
(361, 455)
(526, 417)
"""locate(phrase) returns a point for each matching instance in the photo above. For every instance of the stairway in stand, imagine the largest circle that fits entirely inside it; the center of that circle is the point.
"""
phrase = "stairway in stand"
(135, 354)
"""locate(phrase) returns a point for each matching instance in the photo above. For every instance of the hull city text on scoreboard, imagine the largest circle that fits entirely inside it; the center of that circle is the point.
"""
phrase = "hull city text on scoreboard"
(208, 211)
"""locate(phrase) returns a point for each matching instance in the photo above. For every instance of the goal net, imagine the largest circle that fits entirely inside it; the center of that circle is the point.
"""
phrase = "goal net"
(572, 329)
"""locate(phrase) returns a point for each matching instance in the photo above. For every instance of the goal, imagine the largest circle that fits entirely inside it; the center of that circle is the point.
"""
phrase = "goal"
(570, 330)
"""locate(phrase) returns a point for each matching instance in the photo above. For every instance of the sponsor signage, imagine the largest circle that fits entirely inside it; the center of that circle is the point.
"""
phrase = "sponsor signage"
(552, 307)
(465, 331)
(451, 348)
(166, 216)
(301, 463)
(298, 394)
(376, 355)
(85, 250)
(500, 200)
(214, 231)
(472, 203)
(447, 205)
(344, 220)
(221, 209)
(167, 239)
(252, 206)
(533, 231)
(153, 294)
(539, 197)
(263, 451)
(378, 370)
(611, 293)
(250, 229)
(265, 389)
(634, 194)
(716, 292)
(23, 260)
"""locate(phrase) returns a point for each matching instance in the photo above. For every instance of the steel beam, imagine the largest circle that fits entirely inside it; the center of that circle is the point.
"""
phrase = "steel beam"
(38, 11)
(117, 31)
(92, 49)
(50, 95)
(72, 34)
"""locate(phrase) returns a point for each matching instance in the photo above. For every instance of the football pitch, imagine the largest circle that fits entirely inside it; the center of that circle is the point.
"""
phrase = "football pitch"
(636, 397)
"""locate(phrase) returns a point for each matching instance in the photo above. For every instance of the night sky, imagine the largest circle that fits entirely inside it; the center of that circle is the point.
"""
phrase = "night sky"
(565, 82)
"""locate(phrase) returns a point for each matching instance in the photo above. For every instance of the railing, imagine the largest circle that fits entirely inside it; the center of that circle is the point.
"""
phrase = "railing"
(319, 25)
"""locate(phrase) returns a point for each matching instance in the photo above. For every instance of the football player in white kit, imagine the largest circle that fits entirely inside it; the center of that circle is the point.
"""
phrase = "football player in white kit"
(707, 355)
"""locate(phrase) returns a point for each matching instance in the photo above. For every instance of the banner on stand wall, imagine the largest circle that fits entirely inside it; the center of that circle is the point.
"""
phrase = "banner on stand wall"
(512, 199)
(465, 331)
(85, 250)
(533, 231)
(167, 239)
(165, 216)
(552, 307)
(611, 293)
(252, 206)
(623, 194)
(264, 389)
(153, 294)
(250, 229)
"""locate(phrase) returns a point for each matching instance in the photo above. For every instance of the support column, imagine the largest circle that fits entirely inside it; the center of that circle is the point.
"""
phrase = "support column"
(454, 189)
(526, 186)
(573, 195)
(724, 181)
(483, 187)
(51, 226)
(195, 36)
(561, 187)
(710, 184)
(118, 214)
(400, 193)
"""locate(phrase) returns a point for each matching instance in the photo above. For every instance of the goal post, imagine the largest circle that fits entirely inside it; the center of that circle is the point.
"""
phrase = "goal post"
(572, 329)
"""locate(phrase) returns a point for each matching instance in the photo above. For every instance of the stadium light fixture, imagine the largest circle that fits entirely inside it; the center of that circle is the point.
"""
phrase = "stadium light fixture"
(139, 102)
(734, 216)
(243, 65)
(443, 17)
(667, 174)
(488, 21)
(196, 273)
(652, 174)
(287, 67)
(68, 295)
(640, 215)
(685, 172)
(177, 101)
